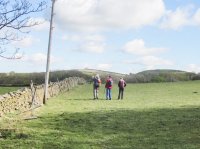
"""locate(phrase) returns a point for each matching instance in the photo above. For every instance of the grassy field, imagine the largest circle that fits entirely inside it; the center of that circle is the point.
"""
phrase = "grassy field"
(157, 116)
(4, 90)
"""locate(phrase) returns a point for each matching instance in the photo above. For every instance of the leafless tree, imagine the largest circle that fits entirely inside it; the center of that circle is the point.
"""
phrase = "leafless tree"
(14, 20)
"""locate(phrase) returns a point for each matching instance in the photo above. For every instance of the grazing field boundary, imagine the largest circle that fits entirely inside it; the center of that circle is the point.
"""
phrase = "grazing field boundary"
(30, 97)
(151, 116)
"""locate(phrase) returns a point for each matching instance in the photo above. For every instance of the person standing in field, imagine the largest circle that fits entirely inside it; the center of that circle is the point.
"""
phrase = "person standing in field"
(121, 85)
(108, 86)
(96, 85)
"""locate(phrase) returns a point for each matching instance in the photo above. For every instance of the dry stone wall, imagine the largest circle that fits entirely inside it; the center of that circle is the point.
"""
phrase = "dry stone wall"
(27, 98)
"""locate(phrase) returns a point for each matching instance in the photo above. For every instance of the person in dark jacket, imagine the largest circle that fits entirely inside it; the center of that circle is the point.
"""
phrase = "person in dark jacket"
(96, 85)
(121, 85)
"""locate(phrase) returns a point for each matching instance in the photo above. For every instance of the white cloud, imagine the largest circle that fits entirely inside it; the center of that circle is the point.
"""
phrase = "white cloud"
(138, 47)
(24, 42)
(101, 66)
(151, 62)
(193, 68)
(72, 37)
(182, 16)
(42, 24)
(38, 58)
(104, 66)
(92, 47)
(93, 15)
(196, 17)
(92, 43)
(179, 18)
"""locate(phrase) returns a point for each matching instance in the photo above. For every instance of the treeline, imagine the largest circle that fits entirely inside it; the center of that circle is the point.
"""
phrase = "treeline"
(161, 76)
(24, 79)
(196, 77)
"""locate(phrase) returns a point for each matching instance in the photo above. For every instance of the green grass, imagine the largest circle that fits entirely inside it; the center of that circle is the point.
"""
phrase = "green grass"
(165, 115)
(4, 90)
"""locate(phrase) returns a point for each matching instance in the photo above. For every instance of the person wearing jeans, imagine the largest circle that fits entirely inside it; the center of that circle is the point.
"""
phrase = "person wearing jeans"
(108, 86)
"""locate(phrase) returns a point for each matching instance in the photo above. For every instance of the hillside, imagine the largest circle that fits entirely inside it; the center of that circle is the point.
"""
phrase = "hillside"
(156, 71)
(161, 75)
(23, 79)
(103, 74)
(100, 72)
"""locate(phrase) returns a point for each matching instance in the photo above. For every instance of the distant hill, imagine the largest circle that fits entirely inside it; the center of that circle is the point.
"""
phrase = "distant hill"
(160, 75)
(103, 74)
(100, 72)
(24, 79)
(156, 71)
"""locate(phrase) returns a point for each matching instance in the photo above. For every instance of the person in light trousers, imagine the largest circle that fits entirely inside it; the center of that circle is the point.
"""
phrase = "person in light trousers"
(96, 85)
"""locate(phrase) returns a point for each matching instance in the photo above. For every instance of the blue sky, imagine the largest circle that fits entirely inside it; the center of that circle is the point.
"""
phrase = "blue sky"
(125, 36)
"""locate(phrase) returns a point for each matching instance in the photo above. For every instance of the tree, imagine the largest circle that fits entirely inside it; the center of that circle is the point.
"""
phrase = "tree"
(14, 20)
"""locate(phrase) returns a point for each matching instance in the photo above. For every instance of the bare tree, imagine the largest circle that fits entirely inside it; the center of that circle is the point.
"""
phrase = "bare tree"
(14, 20)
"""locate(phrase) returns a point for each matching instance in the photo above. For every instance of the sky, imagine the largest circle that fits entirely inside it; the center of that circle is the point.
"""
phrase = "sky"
(124, 36)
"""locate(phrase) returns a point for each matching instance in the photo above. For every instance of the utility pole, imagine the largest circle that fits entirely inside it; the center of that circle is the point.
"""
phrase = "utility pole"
(48, 55)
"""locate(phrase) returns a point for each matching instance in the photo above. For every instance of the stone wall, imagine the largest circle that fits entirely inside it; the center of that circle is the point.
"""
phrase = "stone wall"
(30, 97)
